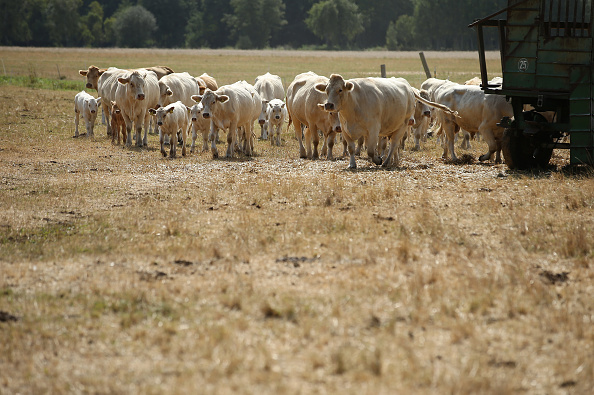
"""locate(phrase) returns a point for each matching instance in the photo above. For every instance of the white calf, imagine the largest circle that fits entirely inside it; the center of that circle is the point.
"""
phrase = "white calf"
(276, 114)
(86, 105)
(172, 119)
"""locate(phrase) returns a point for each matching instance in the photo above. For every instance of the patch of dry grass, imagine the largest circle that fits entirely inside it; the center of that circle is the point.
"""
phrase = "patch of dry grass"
(129, 273)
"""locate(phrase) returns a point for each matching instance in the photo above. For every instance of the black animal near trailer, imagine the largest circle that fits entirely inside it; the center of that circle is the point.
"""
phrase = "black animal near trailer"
(546, 58)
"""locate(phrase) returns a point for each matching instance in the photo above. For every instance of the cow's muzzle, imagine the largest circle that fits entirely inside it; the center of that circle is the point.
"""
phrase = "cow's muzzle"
(261, 121)
(427, 113)
(338, 129)
(140, 96)
(194, 119)
(89, 85)
(206, 115)
(329, 106)
(160, 123)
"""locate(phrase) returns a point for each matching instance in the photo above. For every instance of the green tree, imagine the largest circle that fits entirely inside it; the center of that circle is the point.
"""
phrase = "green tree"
(295, 32)
(335, 21)
(172, 17)
(134, 27)
(377, 15)
(206, 27)
(400, 34)
(14, 29)
(254, 21)
(62, 22)
(92, 26)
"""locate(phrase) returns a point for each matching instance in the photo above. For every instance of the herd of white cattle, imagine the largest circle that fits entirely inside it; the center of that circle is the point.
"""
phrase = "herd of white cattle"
(368, 111)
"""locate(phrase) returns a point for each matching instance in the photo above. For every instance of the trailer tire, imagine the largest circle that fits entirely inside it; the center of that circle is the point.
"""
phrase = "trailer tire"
(513, 146)
(524, 152)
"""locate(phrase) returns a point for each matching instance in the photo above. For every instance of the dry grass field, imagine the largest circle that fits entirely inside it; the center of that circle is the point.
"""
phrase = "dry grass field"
(122, 272)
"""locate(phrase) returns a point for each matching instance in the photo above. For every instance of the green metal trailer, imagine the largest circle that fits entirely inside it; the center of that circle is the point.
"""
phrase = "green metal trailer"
(546, 59)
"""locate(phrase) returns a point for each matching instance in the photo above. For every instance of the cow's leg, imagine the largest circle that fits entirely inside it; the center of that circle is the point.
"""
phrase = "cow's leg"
(147, 119)
(76, 121)
(213, 146)
(89, 128)
(490, 140)
(372, 140)
(205, 137)
(395, 145)
(316, 141)
(351, 148)
(299, 136)
(330, 139)
(184, 136)
(449, 130)
(194, 136)
(249, 141)
(231, 140)
(173, 146)
(129, 125)
(161, 140)
(360, 144)
(417, 135)
(102, 116)
(307, 134)
(106, 108)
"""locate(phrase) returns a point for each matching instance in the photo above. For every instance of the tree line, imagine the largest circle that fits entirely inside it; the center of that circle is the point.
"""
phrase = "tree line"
(246, 24)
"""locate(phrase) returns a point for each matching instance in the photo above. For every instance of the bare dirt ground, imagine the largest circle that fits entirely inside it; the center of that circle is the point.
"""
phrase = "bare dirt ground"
(124, 272)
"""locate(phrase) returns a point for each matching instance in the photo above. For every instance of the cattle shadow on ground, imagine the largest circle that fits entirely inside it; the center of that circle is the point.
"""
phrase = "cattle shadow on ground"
(577, 172)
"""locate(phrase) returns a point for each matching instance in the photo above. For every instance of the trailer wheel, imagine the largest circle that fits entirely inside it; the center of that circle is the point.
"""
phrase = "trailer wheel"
(513, 148)
(524, 152)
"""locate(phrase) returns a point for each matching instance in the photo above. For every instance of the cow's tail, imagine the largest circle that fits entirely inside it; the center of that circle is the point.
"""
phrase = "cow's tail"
(439, 106)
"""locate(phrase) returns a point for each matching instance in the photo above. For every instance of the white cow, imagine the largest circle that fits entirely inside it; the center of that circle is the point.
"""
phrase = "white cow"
(269, 87)
(87, 106)
(107, 85)
(372, 107)
(276, 114)
(137, 91)
(178, 87)
(231, 107)
(479, 112)
(93, 73)
(422, 117)
(303, 105)
(199, 124)
(172, 119)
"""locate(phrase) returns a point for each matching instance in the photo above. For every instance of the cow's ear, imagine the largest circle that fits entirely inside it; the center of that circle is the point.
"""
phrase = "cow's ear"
(152, 111)
(349, 86)
(101, 72)
(196, 98)
(223, 98)
(170, 110)
(201, 89)
(169, 93)
(283, 105)
(321, 87)
(83, 72)
(321, 106)
(113, 103)
(123, 80)
(98, 100)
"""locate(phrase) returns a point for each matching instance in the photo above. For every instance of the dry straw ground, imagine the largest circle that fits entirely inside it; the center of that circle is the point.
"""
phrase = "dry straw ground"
(123, 272)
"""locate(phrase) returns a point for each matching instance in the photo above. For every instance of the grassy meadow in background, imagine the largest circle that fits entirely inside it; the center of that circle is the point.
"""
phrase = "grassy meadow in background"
(125, 272)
